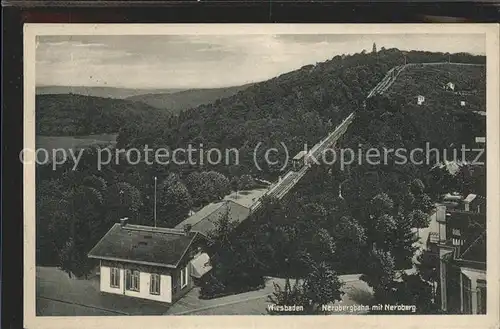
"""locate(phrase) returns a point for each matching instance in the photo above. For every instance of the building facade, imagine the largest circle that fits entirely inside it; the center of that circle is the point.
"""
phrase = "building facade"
(420, 99)
(458, 236)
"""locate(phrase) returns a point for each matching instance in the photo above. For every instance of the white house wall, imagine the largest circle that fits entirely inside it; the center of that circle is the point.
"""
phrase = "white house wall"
(144, 283)
(106, 280)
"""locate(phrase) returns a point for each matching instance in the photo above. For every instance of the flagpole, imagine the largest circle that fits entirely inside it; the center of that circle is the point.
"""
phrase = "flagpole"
(155, 202)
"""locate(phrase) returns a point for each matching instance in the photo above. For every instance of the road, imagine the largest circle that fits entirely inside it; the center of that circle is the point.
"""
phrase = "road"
(356, 292)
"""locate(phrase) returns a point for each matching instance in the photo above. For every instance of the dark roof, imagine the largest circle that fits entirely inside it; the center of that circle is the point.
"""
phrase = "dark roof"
(473, 227)
(474, 250)
(466, 219)
(206, 219)
(200, 215)
(143, 245)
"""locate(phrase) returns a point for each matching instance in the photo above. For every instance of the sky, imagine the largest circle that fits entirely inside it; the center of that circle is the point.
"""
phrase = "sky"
(210, 61)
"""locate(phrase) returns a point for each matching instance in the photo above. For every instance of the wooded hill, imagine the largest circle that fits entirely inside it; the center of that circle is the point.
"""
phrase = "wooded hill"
(186, 99)
(71, 114)
(294, 108)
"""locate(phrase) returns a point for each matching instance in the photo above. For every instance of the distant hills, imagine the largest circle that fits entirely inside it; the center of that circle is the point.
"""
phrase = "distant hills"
(76, 115)
(100, 110)
(295, 107)
(182, 100)
(109, 92)
(172, 100)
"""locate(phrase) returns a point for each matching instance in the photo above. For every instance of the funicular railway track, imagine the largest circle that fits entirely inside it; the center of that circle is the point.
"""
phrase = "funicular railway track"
(284, 185)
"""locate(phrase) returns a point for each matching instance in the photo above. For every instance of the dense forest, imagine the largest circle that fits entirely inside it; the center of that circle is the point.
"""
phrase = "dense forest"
(357, 220)
(74, 115)
(334, 221)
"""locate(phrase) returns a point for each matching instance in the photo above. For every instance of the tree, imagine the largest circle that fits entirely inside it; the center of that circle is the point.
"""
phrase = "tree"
(428, 268)
(235, 185)
(246, 182)
(52, 221)
(379, 273)
(319, 247)
(123, 200)
(85, 229)
(207, 186)
(381, 204)
(194, 183)
(417, 187)
(374, 49)
(419, 219)
(401, 241)
(412, 290)
(287, 296)
(235, 261)
(322, 286)
(221, 236)
(218, 184)
(350, 242)
(174, 203)
(96, 182)
(66, 257)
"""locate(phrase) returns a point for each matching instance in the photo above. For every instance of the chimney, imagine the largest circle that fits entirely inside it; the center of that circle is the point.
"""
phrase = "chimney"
(123, 221)
(441, 214)
(187, 228)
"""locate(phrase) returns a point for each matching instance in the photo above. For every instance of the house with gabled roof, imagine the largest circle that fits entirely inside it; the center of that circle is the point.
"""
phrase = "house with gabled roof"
(149, 262)
(420, 99)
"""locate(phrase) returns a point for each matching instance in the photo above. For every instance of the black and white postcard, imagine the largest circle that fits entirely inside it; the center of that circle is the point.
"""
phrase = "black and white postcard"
(173, 172)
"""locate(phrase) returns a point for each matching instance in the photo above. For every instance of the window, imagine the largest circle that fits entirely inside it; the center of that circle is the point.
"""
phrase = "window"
(154, 285)
(114, 281)
(456, 232)
(184, 277)
(132, 280)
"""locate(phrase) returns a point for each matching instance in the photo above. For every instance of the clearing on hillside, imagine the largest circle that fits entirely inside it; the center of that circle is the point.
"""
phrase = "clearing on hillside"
(447, 86)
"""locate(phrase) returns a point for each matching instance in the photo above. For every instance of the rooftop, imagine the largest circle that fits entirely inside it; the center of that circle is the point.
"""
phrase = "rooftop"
(474, 250)
(300, 155)
(201, 265)
(143, 245)
(470, 198)
(246, 198)
(207, 218)
(473, 228)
